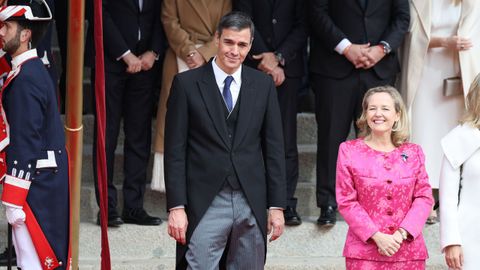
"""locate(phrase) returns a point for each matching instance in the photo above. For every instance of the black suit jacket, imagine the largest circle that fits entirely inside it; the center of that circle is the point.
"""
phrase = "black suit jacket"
(280, 26)
(121, 21)
(333, 20)
(198, 154)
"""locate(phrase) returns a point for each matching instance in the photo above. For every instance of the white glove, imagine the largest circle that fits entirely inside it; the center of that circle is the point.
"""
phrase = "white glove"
(15, 216)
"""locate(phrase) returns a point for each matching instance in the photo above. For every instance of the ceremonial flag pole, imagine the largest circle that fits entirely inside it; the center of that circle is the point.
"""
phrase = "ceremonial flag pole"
(101, 124)
(73, 117)
(73, 122)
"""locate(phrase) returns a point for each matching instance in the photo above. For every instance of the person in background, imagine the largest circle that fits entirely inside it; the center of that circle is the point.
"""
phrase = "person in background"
(439, 61)
(382, 188)
(190, 28)
(278, 49)
(132, 44)
(353, 47)
(460, 188)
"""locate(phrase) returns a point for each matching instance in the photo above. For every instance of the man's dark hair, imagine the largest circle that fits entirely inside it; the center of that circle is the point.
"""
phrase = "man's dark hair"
(38, 29)
(236, 20)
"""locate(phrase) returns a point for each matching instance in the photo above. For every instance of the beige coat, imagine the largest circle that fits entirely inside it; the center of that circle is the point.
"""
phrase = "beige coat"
(418, 37)
(186, 23)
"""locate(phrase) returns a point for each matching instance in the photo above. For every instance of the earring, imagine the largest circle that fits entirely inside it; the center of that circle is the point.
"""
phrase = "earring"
(29, 45)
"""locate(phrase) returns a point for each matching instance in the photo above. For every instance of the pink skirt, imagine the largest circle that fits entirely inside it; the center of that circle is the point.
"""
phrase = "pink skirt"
(358, 264)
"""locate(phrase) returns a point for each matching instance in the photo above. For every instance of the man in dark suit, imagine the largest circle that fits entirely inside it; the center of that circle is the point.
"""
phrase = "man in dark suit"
(224, 158)
(278, 49)
(353, 48)
(132, 42)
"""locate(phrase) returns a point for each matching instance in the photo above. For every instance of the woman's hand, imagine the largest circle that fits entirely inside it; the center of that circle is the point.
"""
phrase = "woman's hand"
(386, 243)
(457, 43)
(194, 60)
(454, 257)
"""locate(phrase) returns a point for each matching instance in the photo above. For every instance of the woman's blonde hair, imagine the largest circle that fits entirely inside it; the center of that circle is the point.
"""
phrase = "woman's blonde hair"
(400, 130)
(472, 113)
(456, 2)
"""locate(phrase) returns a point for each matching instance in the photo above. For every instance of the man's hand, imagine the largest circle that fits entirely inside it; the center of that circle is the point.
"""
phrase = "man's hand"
(278, 75)
(268, 61)
(386, 243)
(148, 59)
(373, 55)
(355, 53)
(177, 225)
(194, 60)
(275, 224)
(134, 64)
(454, 257)
(15, 216)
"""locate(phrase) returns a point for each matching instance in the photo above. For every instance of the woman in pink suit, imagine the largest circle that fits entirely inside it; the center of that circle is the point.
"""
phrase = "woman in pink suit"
(382, 188)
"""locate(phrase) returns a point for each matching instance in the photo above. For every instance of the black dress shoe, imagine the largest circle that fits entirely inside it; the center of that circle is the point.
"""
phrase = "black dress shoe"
(140, 217)
(328, 216)
(291, 217)
(114, 220)
(4, 257)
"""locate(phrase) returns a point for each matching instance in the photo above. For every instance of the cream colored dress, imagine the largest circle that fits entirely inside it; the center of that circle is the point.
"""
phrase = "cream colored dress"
(434, 115)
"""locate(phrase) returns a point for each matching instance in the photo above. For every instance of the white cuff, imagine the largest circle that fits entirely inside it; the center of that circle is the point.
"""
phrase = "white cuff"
(342, 45)
(123, 55)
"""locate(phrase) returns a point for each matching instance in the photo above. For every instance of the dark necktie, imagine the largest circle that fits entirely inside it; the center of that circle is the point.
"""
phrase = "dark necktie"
(227, 95)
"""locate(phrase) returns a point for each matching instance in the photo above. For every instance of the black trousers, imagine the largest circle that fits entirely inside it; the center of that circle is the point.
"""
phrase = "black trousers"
(128, 97)
(338, 102)
(287, 99)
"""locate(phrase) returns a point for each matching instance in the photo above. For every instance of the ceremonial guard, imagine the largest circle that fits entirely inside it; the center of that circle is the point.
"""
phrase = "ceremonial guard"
(36, 185)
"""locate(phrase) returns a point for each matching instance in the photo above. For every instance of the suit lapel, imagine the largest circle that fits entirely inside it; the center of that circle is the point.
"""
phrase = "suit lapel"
(362, 4)
(201, 9)
(468, 10)
(210, 94)
(424, 11)
(247, 103)
(136, 4)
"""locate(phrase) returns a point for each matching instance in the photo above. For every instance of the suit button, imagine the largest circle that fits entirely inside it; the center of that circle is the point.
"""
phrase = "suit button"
(389, 197)
(55, 171)
(274, 21)
(389, 181)
(59, 152)
(391, 228)
(37, 171)
(390, 213)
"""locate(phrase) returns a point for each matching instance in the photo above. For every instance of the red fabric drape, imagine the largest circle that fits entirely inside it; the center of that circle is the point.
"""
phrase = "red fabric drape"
(100, 109)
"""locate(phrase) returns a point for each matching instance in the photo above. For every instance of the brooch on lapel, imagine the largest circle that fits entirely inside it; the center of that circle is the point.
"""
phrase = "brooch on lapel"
(404, 156)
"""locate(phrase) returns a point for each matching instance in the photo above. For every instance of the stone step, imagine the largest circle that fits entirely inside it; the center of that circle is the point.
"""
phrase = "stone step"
(306, 129)
(303, 247)
(154, 202)
(306, 158)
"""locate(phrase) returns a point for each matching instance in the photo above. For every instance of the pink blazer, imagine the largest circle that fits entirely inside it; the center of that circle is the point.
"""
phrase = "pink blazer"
(378, 191)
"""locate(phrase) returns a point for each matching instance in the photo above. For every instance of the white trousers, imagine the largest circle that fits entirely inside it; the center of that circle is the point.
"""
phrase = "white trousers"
(27, 257)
